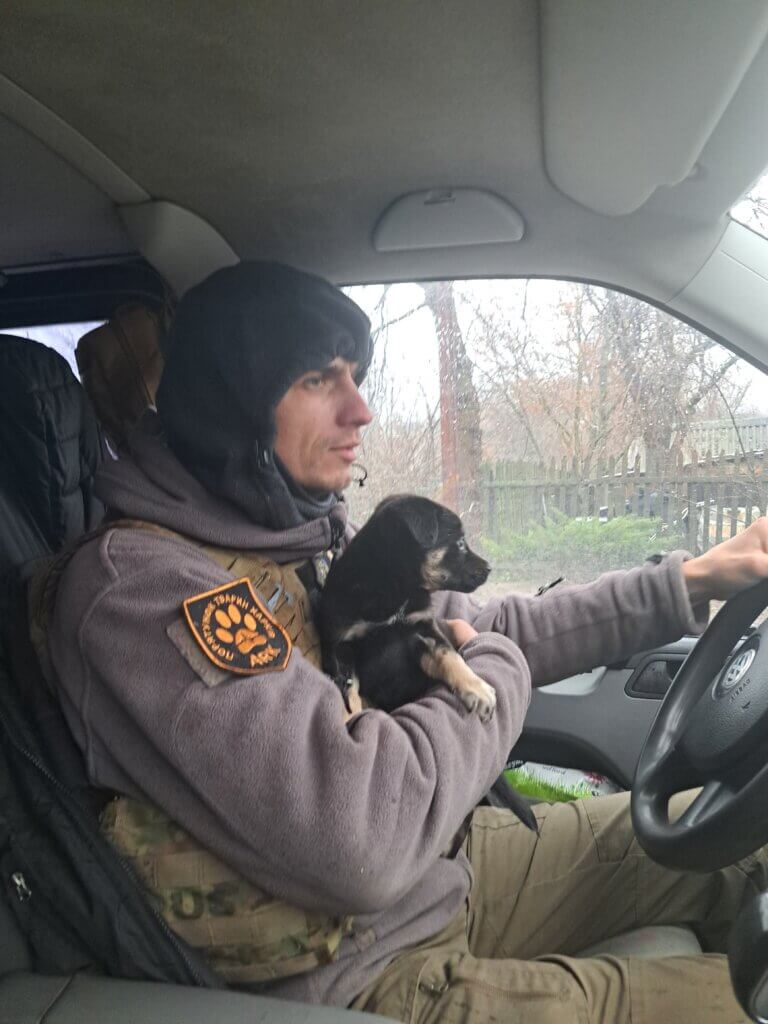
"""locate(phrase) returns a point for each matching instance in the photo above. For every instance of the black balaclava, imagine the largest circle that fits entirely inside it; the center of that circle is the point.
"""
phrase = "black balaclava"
(239, 340)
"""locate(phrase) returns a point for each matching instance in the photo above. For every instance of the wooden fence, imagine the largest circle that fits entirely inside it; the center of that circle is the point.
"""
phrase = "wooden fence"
(700, 500)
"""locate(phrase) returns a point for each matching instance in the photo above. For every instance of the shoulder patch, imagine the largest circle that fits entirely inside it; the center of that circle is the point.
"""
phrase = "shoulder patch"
(236, 631)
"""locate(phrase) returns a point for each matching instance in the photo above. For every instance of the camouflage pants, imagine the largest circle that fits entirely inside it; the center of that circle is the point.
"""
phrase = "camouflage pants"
(509, 956)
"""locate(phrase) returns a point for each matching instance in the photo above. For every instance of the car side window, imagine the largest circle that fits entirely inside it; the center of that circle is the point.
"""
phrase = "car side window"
(576, 429)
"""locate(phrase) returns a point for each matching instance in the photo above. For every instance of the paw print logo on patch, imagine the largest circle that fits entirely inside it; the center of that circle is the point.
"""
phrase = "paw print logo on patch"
(236, 631)
(245, 638)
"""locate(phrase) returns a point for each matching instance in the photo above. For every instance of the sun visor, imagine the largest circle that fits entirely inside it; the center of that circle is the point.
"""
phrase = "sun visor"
(444, 217)
(631, 92)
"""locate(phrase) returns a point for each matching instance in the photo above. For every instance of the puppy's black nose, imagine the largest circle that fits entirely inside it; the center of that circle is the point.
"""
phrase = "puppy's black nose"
(481, 572)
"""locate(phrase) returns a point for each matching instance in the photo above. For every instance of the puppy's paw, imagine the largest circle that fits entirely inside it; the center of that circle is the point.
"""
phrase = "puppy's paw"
(479, 697)
(450, 668)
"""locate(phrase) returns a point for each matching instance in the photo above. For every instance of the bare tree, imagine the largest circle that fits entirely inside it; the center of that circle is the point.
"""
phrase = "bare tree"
(460, 434)
(669, 368)
(615, 370)
(401, 449)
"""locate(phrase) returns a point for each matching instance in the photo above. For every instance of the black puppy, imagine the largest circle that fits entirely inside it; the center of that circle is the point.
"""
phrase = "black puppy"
(378, 631)
(376, 622)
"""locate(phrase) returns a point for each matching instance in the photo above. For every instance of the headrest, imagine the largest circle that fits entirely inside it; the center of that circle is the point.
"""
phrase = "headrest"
(120, 365)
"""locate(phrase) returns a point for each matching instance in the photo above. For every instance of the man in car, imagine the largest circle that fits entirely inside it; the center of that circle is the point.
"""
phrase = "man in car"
(301, 850)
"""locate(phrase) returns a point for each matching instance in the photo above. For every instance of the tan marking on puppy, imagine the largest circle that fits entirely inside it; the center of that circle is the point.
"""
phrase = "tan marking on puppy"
(427, 615)
(354, 700)
(432, 572)
(448, 666)
(359, 630)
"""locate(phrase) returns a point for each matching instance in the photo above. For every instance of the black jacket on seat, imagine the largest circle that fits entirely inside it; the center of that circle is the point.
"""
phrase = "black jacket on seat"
(50, 449)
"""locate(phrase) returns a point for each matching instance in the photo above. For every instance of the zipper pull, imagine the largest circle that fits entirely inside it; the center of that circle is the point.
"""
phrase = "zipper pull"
(23, 892)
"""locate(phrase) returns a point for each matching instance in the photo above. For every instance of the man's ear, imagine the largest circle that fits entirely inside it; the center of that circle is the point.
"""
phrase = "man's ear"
(422, 522)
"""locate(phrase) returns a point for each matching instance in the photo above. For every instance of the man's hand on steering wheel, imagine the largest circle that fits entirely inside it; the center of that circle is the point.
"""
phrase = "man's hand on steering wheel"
(711, 730)
(729, 567)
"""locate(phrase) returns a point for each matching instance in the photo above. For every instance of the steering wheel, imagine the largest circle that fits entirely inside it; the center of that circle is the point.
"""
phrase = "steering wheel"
(711, 731)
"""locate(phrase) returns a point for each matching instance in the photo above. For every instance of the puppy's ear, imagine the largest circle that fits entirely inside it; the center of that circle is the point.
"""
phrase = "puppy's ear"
(423, 524)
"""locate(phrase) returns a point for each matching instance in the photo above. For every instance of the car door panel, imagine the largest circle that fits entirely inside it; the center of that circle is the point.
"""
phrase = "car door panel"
(598, 721)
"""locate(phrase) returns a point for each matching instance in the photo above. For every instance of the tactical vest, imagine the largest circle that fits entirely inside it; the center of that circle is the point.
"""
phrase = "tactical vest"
(246, 935)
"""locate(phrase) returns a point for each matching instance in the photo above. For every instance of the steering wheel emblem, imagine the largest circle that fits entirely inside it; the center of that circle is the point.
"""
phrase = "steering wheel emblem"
(734, 673)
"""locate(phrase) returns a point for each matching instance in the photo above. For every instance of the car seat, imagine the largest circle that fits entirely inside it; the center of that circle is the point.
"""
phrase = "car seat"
(50, 448)
(120, 365)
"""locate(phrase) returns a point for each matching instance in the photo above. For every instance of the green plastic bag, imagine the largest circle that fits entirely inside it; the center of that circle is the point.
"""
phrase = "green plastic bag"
(551, 784)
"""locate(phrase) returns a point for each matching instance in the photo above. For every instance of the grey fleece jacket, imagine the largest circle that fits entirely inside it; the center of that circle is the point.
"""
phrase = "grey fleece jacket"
(349, 818)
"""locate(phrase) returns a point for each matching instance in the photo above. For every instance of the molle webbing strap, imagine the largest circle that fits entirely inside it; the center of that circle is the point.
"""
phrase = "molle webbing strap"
(281, 589)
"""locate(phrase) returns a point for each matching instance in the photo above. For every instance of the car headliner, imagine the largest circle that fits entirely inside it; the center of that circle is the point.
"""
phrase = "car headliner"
(621, 133)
